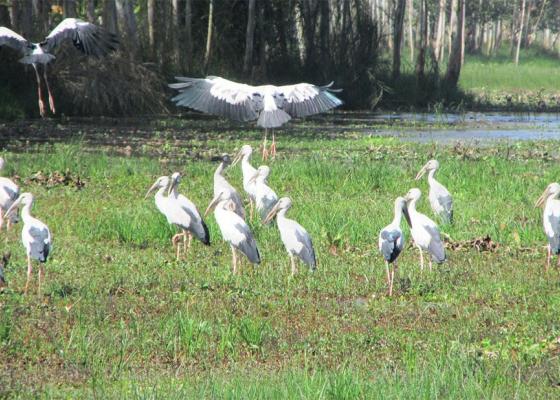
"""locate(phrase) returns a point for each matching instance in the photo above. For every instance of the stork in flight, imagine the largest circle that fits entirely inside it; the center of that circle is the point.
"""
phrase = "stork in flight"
(271, 106)
(91, 39)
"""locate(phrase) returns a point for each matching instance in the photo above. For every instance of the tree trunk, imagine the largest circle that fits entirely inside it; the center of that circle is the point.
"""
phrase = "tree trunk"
(176, 34)
(14, 15)
(454, 65)
(514, 27)
(207, 53)
(422, 40)
(438, 39)
(462, 24)
(127, 25)
(324, 32)
(452, 25)
(110, 16)
(151, 27)
(410, 30)
(249, 38)
(520, 32)
(69, 8)
(188, 33)
(90, 13)
(397, 37)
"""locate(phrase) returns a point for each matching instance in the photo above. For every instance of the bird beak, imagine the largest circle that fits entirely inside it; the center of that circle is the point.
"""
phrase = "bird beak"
(238, 157)
(213, 204)
(151, 190)
(15, 205)
(407, 215)
(171, 185)
(422, 172)
(540, 201)
(271, 214)
(254, 177)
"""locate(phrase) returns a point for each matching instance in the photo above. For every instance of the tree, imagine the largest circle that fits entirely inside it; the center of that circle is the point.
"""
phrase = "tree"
(209, 36)
(454, 64)
(520, 31)
(397, 36)
(422, 40)
(249, 38)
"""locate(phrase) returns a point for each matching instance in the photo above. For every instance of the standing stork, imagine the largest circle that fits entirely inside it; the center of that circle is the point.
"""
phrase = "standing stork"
(294, 236)
(234, 229)
(271, 106)
(265, 197)
(35, 236)
(440, 198)
(248, 172)
(391, 241)
(221, 185)
(90, 39)
(9, 192)
(192, 220)
(551, 220)
(424, 231)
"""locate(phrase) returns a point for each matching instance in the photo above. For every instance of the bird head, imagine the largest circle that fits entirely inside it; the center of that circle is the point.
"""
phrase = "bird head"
(552, 190)
(282, 204)
(215, 201)
(431, 165)
(262, 172)
(175, 179)
(161, 182)
(400, 204)
(246, 150)
(23, 200)
(413, 195)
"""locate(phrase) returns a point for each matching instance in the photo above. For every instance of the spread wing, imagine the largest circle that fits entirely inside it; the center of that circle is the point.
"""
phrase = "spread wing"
(218, 96)
(88, 38)
(306, 99)
(11, 39)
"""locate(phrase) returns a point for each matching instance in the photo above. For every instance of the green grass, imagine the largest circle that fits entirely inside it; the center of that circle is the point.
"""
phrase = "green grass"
(119, 317)
(536, 71)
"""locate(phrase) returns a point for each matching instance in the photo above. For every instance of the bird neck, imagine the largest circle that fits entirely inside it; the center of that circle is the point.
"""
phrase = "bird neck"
(220, 169)
(160, 193)
(282, 213)
(431, 176)
(398, 216)
(26, 212)
(412, 206)
(175, 191)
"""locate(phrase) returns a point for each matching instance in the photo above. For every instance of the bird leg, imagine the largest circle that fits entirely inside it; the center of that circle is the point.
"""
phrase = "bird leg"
(189, 242)
(430, 263)
(41, 276)
(264, 151)
(273, 146)
(51, 99)
(251, 206)
(1, 219)
(39, 92)
(29, 272)
(294, 267)
(421, 259)
(176, 246)
(234, 259)
(388, 276)
(548, 257)
(393, 273)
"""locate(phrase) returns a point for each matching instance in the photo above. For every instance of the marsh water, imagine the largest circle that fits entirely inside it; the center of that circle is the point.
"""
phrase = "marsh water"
(150, 134)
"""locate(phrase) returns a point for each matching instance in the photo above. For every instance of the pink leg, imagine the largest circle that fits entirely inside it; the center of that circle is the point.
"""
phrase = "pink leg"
(51, 99)
(39, 92)
(29, 272)
(421, 259)
(41, 275)
(273, 146)
(264, 150)
(548, 257)
(1, 219)
(430, 263)
(388, 277)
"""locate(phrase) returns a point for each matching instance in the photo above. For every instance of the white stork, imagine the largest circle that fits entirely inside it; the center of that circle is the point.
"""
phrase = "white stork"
(9, 192)
(248, 172)
(294, 236)
(551, 220)
(265, 197)
(391, 241)
(88, 38)
(271, 106)
(221, 185)
(424, 231)
(234, 229)
(35, 236)
(192, 222)
(440, 198)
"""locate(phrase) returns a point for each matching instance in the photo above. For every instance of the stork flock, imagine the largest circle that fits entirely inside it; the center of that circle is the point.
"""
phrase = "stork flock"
(271, 107)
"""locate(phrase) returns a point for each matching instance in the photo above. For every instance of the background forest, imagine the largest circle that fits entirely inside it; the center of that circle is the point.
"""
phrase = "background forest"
(395, 54)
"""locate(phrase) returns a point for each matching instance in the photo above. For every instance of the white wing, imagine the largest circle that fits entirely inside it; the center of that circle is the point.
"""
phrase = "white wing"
(11, 39)
(218, 96)
(88, 38)
(237, 233)
(306, 99)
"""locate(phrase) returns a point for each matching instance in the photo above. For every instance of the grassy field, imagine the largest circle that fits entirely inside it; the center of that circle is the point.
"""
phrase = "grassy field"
(536, 71)
(119, 317)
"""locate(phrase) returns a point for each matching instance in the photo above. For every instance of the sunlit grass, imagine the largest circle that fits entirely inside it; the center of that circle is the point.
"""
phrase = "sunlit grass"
(119, 317)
